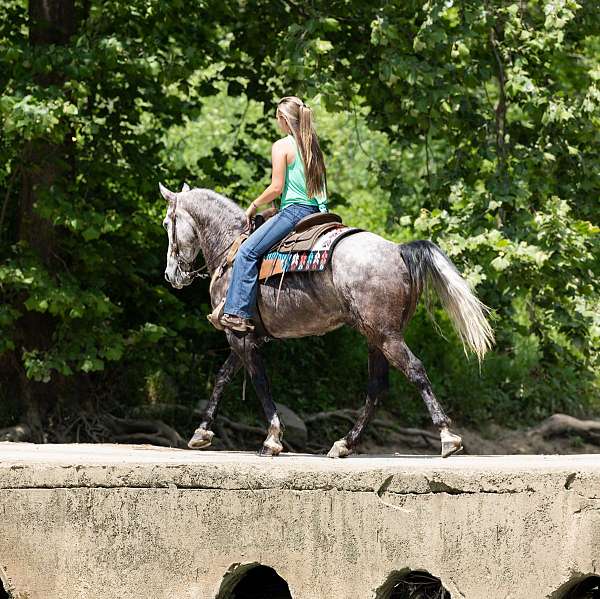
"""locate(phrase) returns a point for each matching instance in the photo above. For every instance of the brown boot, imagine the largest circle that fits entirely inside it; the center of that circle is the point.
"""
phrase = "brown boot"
(236, 323)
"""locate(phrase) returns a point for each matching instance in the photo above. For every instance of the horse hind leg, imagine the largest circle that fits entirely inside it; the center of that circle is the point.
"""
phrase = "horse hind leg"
(400, 356)
(378, 385)
(203, 436)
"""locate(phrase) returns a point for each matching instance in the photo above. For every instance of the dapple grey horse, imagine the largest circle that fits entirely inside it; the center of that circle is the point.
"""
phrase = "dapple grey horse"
(372, 285)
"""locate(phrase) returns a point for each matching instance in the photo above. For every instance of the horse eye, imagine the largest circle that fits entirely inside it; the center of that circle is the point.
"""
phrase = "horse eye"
(164, 224)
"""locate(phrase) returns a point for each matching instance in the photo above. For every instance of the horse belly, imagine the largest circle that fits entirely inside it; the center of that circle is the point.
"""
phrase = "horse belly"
(307, 305)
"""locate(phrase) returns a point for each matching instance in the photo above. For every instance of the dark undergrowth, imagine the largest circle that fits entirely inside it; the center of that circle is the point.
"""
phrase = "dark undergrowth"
(317, 374)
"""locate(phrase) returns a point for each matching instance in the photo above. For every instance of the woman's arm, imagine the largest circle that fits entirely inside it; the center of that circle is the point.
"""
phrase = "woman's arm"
(278, 162)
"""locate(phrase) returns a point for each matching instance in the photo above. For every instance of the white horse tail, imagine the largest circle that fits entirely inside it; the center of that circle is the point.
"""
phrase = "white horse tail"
(429, 266)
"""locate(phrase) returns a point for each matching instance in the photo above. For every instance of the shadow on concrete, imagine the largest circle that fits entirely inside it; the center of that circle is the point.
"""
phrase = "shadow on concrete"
(4, 594)
(253, 581)
(587, 587)
(412, 584)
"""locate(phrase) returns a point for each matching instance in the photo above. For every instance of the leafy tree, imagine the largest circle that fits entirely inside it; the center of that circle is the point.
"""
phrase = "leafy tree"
(492, 114)
(473, 124)
(88, 91)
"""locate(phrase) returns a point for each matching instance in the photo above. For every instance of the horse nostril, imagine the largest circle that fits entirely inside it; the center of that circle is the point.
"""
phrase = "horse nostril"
(167, 277)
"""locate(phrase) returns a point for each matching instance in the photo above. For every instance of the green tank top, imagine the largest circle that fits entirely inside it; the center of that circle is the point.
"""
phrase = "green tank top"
(294, 189)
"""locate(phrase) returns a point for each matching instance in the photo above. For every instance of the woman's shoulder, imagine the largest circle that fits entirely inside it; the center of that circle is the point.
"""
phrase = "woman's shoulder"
(284, 142)
(285, 147)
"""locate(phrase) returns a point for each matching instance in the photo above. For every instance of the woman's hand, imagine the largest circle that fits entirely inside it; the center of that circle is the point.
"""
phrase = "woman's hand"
(250, 213)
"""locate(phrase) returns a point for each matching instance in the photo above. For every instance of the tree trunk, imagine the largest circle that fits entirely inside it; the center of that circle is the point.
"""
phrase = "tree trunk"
(45, 170)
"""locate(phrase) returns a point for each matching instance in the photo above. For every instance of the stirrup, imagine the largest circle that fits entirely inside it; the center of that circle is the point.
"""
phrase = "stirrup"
(245, 325)
(215, 316)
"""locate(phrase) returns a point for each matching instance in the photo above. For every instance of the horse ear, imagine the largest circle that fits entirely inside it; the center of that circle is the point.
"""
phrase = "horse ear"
(167, 193)
(185, 187)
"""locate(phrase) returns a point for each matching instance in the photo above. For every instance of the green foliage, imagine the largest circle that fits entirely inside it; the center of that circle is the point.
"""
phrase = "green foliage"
(492, 113)
(476, 125)
(114, 89)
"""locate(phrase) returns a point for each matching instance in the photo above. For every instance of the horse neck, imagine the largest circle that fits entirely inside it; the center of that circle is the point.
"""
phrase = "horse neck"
(217, 222)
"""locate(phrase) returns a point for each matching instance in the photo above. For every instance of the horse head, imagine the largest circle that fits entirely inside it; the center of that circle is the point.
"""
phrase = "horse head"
(183, 239)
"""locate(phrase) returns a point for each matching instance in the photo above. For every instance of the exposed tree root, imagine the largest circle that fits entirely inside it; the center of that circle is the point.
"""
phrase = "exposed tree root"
(19, 432)
(242, 428)
(155, 432)
(559, 425)
(413, 437)
(102, 427)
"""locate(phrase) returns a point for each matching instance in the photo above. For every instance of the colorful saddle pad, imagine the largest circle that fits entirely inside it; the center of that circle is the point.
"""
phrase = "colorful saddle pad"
(315, 259)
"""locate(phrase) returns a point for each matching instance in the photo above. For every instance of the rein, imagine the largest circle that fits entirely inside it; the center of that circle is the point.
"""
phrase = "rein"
(188, 274)
(192, 274)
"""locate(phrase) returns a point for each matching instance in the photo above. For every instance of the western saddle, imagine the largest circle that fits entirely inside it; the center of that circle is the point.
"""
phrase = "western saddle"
(301, 238)
(312, 220)
(307, 231)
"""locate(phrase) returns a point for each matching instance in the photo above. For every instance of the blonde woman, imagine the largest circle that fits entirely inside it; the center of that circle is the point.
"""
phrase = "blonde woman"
(299, 176)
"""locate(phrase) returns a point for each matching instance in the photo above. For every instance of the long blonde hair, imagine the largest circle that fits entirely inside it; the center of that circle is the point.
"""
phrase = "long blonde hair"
(299, 119)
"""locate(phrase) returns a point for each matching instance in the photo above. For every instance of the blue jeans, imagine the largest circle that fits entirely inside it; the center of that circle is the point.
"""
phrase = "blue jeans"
(241, 295)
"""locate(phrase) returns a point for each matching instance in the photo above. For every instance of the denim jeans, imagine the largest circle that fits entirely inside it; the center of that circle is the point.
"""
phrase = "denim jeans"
(241, 295)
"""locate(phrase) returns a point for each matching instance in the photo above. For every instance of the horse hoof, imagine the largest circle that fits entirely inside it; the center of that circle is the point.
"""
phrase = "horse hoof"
(266, 452)
(202, 438)
(270, 448)
(339, 449)
(451, 443)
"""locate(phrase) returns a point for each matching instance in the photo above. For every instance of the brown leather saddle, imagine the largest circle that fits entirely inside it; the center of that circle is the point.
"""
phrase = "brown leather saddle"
(302, 239)
(312, 220)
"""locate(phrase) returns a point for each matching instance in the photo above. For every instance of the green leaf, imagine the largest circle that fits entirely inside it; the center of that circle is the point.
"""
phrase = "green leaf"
(500, 263)
(323, 46)
(92, 365)
(90, 233)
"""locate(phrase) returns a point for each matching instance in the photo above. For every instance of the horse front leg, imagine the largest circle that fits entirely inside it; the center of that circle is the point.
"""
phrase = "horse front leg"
(248, 349)
(203, 435)
(378, 386)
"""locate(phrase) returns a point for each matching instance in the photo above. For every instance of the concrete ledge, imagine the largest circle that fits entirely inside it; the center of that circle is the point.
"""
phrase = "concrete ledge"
(100, 521)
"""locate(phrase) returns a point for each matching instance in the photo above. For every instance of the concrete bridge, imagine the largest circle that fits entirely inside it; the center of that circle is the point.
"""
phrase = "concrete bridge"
(121, 522)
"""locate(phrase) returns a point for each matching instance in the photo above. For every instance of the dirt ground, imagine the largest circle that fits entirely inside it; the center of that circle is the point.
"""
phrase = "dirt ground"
(496, 440)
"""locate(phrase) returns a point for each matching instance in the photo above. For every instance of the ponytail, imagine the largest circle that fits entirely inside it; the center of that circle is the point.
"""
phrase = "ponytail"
(299, 119)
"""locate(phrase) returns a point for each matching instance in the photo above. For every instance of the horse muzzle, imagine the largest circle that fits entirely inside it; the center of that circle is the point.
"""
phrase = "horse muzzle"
(178, 279)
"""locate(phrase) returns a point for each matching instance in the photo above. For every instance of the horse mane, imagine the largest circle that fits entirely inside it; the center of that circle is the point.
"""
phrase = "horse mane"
(203, 194)
(221, 219)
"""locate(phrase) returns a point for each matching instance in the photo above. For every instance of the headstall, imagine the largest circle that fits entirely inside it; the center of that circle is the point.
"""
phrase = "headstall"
(188, 274)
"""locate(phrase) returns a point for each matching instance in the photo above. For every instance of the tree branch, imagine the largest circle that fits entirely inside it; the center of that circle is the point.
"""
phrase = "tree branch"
(559, 425)
(296, 8)
(7, 196)
(501, 106)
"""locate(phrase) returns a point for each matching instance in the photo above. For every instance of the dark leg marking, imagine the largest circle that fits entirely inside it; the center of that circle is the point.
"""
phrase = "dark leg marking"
(402, 358)
(225, 375)
(377, 386)
(248, 350)
(203, 435)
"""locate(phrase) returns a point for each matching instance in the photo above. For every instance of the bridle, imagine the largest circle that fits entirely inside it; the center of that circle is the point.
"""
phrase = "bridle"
(199, 272)
(186, 273)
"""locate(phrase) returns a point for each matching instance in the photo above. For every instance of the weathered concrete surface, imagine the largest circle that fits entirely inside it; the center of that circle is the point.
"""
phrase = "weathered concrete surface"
(121, 522)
